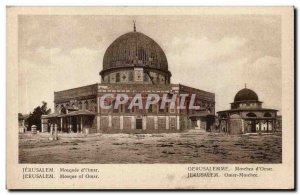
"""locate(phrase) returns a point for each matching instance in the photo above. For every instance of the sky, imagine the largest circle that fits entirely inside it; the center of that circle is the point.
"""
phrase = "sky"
(215, 53)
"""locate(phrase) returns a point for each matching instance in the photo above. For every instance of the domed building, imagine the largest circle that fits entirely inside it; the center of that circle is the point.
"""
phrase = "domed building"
(132, 64)
(247, 115)
(129, 55)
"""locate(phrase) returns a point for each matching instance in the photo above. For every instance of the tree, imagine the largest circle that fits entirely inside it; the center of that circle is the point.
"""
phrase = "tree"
(35, 117)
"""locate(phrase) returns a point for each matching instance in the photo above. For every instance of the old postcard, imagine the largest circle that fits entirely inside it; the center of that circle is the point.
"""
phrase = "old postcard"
(150, 98)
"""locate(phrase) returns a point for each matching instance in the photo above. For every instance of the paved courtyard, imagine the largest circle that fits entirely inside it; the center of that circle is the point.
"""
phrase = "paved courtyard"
(190, 148)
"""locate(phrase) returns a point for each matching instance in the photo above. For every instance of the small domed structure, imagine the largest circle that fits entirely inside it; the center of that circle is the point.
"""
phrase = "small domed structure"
(245, 95)
(247, 115)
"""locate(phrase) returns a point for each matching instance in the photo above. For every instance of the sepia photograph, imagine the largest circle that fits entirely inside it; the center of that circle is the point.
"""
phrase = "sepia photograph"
(224, 71)
(208, 90)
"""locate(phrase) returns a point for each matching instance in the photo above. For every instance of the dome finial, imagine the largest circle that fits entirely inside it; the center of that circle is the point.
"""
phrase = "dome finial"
(134, 28)
(245, 85)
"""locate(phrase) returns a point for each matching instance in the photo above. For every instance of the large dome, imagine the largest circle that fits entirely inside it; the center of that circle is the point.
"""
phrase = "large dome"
(135, 58)
(134, 49)
(245, 95)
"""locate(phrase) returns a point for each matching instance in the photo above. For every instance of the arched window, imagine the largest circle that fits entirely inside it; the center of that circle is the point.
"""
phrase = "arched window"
(267, 114)
(141, 54)
(80, 105)
(86, 105)
(162, 79)
(152, 56)
(63, 110)
(251, 114)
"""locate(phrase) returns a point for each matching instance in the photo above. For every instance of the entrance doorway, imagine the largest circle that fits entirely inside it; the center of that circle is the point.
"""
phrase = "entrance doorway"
(139, 123)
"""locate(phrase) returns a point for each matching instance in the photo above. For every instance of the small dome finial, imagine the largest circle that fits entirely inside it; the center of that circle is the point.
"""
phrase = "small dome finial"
(134, 28)
(245, 85)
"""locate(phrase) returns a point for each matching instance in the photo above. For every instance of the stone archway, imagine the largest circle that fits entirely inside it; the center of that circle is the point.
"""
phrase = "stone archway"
(251, 118)
(268, 121)
(251, 114)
